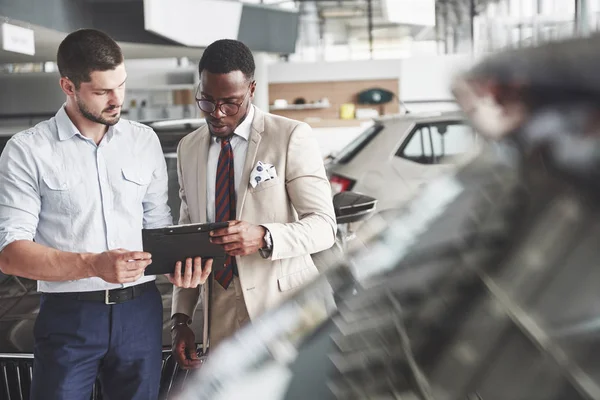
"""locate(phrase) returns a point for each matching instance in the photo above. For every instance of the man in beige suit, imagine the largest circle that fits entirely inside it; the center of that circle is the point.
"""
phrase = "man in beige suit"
(262, 173)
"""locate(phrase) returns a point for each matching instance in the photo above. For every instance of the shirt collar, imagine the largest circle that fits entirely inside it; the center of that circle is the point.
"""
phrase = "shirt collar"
(67, 129)
(245, 127)
(243, 130)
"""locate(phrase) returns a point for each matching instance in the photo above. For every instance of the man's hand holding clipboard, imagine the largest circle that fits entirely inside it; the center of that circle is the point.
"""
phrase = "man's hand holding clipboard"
(193, 275)
(183, 253)
(240, 238)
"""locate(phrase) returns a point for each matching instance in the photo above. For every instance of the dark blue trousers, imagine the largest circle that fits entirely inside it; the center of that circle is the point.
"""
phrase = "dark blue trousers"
(77, 341)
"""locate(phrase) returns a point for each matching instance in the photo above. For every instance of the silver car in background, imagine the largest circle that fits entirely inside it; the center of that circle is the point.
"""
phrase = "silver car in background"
(395, 156)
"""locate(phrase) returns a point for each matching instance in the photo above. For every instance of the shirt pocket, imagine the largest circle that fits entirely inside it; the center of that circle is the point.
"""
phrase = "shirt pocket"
(60, 190)
(135, 182)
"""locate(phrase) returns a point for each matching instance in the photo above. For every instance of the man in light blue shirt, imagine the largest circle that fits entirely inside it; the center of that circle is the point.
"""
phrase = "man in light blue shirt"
(75, 192)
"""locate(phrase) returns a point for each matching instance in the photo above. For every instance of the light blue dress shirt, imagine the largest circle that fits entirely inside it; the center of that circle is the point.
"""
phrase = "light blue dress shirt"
(62, 190)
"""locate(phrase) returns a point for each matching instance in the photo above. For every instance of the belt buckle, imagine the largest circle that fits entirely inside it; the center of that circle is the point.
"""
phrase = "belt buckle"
(107, 298)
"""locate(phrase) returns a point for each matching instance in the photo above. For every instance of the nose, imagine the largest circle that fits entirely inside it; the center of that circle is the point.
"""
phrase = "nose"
(117, 98)
(218, 114)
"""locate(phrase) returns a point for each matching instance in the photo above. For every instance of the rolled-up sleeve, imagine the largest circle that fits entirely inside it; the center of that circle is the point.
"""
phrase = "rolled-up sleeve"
(157, 213)
(20, 199)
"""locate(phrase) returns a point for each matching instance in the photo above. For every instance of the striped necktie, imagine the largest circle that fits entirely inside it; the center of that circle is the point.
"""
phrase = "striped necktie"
(225, 205)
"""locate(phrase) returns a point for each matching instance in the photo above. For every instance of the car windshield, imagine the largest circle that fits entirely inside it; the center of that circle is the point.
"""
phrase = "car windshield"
(354, 147)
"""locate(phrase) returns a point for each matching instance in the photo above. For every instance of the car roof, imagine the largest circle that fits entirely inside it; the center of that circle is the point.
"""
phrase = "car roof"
(190, 124)
(434, 116)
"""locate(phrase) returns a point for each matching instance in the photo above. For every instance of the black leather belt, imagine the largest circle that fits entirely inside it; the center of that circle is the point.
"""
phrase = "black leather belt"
(113, 296)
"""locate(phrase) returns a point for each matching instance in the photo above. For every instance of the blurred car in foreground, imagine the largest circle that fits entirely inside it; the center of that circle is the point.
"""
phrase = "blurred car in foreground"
(477, 290)
(395, 156)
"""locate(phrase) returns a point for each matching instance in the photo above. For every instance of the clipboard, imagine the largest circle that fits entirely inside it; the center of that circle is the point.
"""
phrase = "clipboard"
(179, 242)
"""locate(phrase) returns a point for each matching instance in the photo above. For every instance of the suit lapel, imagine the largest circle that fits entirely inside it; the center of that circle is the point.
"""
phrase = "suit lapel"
(258, 125)
(203, 147)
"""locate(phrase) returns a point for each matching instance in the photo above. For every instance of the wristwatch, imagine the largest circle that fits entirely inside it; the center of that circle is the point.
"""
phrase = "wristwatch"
(265, 252)
(187, 322)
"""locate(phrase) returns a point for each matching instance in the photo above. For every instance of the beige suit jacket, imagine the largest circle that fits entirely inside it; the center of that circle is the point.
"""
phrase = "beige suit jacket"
(296, 207)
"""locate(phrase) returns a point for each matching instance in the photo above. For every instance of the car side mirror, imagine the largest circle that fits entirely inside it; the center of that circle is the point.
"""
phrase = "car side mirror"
(328, 158)
(352, 207)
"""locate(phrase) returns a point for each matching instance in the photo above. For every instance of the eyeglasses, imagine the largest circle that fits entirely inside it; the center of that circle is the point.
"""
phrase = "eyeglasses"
(228, 109)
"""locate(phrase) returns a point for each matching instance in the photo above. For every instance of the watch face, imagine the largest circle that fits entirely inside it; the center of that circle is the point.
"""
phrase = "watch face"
(268, 238)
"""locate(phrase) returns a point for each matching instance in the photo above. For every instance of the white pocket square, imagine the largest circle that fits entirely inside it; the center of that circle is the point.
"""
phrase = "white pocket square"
(262, 173)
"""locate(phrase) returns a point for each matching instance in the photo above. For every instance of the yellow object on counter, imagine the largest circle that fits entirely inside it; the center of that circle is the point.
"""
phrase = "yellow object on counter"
(347, 111)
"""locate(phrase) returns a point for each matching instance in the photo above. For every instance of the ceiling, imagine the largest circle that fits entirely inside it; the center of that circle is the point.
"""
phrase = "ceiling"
(336, 21)
(340, 21)
(47, 41)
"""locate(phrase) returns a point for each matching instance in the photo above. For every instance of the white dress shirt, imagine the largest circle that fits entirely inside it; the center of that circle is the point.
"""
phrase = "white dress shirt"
(239, 145)
(60, 189)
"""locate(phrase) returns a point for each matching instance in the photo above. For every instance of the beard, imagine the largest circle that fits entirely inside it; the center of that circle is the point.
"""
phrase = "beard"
(99, 119)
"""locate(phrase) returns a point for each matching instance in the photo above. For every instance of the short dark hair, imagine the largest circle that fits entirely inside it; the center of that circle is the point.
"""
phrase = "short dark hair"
(85, 51)
(225, 56)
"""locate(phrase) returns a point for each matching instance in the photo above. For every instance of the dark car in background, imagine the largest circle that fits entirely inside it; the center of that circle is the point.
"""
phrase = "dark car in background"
(19, 299)
(170, 132)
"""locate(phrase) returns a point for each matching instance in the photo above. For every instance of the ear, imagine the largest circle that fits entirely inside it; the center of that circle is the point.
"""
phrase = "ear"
(252, 89)
(67, 86)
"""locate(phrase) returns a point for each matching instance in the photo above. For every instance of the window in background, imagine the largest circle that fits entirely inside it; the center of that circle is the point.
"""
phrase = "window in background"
(436, 143)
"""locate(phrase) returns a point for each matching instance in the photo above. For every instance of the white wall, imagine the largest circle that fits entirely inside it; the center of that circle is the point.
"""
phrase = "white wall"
(261, 76)
(421, 79)
(429, 78)
(160, 78)
(151, 63)
(333, 71)
(332, 140)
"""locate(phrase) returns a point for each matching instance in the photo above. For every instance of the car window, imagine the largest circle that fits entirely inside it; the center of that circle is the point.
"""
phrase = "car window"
(170, 132)
(418, 146)
(169, 139)
(3, 141)
(173, 200)
(355, 146)
(436, 142)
